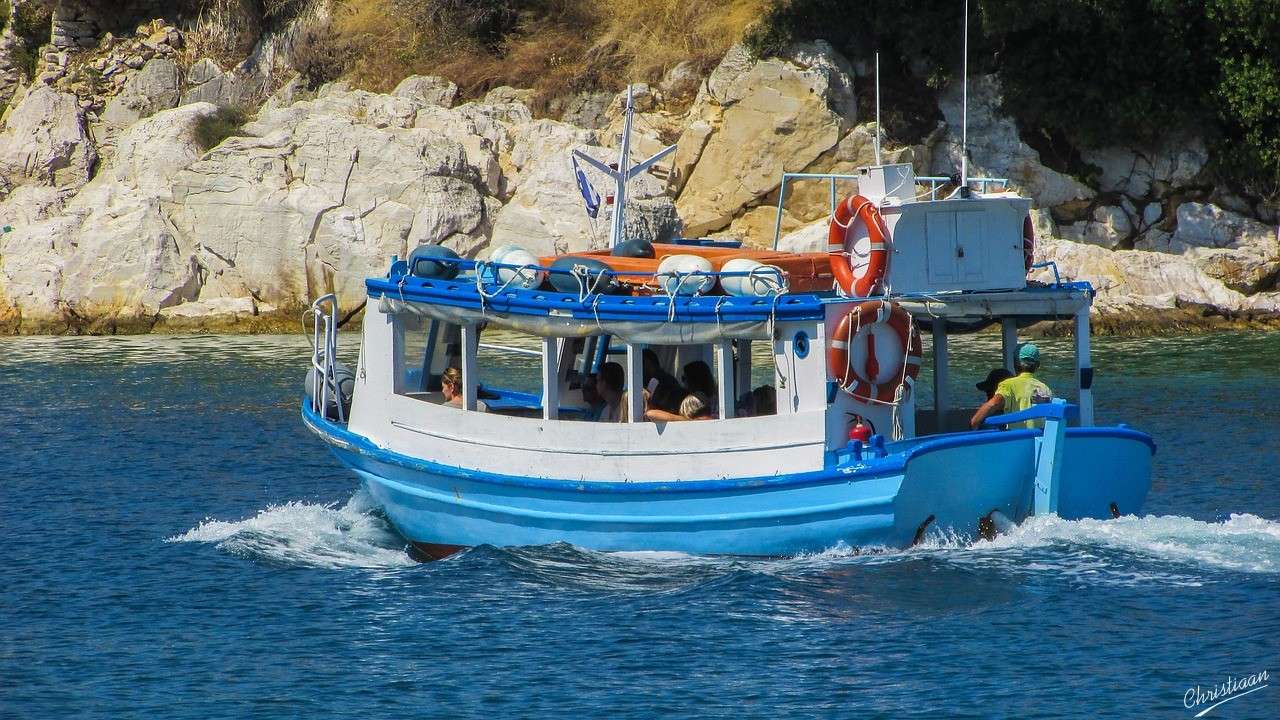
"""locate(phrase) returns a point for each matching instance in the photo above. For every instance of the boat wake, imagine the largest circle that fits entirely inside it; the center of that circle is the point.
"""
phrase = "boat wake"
(299, 534)
(1129, 550)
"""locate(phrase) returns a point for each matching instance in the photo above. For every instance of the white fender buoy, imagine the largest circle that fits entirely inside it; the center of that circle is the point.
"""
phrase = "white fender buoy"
(524, 277)
(762, 280)
(675, 278)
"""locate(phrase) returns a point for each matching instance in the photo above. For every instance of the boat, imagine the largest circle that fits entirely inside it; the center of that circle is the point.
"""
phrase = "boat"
(847, 456)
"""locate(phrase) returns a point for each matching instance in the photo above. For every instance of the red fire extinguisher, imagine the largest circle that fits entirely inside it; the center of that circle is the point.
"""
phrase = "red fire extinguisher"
(860, 431)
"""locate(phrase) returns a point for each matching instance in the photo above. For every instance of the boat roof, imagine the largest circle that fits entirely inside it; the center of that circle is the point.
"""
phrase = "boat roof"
(469, 296)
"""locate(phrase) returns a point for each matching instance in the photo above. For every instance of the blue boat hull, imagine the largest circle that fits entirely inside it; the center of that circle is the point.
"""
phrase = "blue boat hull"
(949, 483)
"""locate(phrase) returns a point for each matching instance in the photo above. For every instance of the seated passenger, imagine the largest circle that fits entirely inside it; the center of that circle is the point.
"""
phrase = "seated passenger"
(994, 378)
(451, 388)
(1017, 393)
(698, 378)
(609, 384)
(666, 392)
(592, 399)
(765, 400)
(693, 407)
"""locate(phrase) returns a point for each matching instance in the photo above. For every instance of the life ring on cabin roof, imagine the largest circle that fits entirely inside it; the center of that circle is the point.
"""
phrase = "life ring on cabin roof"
(847, 248)
(1028, 242)
(873, 349)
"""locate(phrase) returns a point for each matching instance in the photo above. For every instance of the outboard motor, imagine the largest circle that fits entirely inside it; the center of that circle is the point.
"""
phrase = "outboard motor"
(346, 381)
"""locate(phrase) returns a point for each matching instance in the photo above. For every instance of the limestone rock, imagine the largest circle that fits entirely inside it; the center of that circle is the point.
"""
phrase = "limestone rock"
(754, 227)
(45, 141)
(1241, 252)
(1109, 227)
(810, 238)
(154, 88)
(1127, 279)
(771, 116)
(995, 147)
(325, 194)
(427, 90)
(1136, 172)
(484, 139)
(587, 110)
(206, 82)
(108, 256)
(681, 81)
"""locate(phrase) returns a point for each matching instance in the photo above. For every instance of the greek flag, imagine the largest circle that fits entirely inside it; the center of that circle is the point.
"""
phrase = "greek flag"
(590, 197)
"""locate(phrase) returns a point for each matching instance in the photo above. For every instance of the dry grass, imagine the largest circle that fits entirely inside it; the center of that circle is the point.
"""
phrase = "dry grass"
(556, 47)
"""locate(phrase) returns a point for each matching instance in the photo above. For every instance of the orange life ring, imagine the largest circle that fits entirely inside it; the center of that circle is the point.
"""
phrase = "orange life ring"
(854, 208)
(1028, 242)
(856, 333)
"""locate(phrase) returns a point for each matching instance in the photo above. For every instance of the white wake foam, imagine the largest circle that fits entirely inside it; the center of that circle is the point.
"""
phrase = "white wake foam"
(1129, 550)
(309, 535)
(1138, 549)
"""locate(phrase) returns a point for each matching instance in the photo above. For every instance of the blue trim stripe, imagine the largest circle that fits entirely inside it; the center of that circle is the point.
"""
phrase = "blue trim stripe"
(344, 439)
(894, 463)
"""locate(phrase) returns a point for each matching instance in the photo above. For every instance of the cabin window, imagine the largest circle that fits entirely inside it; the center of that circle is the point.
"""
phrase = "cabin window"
(410, 351)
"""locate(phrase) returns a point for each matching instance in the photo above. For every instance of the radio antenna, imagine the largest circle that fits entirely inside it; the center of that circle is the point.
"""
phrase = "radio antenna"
(878, 161)
(964, 111)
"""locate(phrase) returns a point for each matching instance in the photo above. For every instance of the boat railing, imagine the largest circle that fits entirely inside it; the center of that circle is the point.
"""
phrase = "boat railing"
(479, 266)
(510, 350)
(935, 183)
(1057, 279)
(324, 355)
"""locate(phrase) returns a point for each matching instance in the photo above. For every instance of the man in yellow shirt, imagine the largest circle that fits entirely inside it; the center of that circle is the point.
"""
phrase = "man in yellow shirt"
(1017, 393)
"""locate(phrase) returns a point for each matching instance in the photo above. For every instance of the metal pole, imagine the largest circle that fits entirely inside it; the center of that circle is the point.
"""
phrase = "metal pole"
(624, 162)
(470, 345)
(725, 377)
(1009, 343)
(550, 378)
(777, 221)
(941, 398)
(1084, 367)
(635, 383)
(964, 111)
(878, 160)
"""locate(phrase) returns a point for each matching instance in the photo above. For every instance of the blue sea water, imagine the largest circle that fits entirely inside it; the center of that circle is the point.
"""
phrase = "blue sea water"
(177, 546)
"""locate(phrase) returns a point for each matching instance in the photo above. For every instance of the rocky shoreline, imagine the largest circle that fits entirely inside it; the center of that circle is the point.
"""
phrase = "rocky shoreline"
(120, 220)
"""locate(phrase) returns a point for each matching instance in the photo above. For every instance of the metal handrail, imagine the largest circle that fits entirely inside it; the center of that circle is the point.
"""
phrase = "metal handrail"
(324, 355)
(935, 182)
(511, 350)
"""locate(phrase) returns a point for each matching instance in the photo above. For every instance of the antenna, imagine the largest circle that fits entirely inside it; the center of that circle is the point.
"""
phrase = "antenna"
(964, 112)
(878, 162)
(625, 172)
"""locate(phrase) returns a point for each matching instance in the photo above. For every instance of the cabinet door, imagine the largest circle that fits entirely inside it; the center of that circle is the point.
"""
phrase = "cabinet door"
(941, 244)
(971, 247)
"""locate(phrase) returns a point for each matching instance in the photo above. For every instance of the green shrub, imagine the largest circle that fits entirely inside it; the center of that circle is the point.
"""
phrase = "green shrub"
(1076, 73)
(225, 122)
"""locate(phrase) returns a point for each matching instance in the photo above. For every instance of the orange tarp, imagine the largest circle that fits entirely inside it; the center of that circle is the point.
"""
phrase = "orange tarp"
(805, 272)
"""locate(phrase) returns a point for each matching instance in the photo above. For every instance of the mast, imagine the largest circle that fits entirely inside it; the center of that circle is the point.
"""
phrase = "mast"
(964, 111)
(624, 159)
(624, 171)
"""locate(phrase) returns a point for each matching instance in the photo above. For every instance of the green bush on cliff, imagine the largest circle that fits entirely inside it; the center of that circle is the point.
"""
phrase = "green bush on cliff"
(225, 122)
(1078, 73)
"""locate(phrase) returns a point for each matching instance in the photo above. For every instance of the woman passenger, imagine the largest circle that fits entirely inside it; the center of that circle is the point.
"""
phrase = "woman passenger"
(693, 407)
(451, 388)
(698, 378)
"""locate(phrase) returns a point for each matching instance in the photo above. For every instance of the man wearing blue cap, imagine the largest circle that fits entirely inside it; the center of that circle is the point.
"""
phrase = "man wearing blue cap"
(1017, 393)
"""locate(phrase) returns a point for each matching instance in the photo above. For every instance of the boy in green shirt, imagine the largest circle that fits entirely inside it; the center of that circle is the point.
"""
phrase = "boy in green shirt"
(1017, 393)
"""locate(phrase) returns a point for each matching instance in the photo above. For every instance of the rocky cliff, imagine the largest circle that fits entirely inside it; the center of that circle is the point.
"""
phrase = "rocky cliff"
(127, 209)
